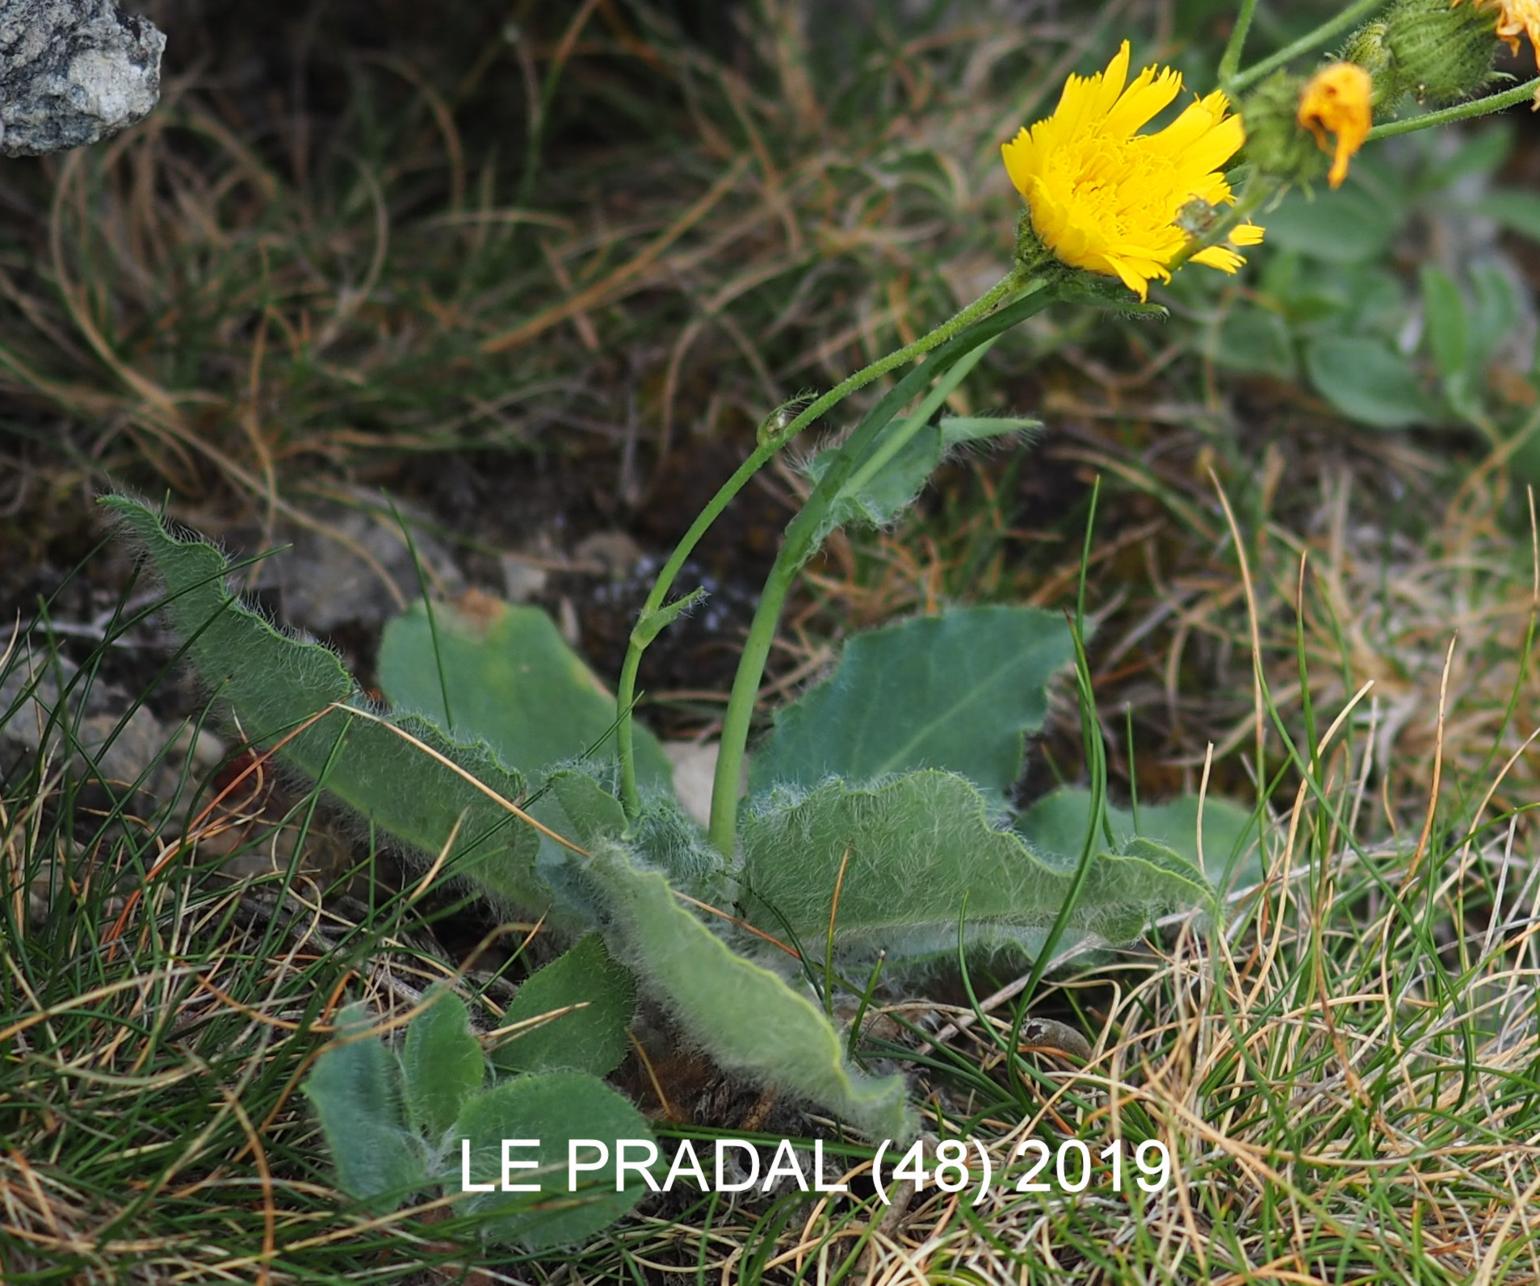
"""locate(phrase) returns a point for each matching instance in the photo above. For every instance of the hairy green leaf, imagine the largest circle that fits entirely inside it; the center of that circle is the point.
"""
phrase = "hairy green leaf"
(1253, 340)
(590, 810)
(543, 1115)
(958, 691)
(957, 429)
(1231, 847)
(441, 1063)
(1514, 208)
(577, 808)
(355, 1095)
(917, 863)
(1354, 226)
(1444, 314)
(590, 1038)
(1368, 381)
(274, 683)
(747, 1017)
(878, 499)
(512, 682)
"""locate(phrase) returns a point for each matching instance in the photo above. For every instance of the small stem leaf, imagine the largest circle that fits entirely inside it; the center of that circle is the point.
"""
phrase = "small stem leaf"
(748, 1018)
(275, 683)
(959, 691)
(956, 429)
(652, 624)
(441, 1064)
(512, 681)
(877, 499)
(539, 1123)
(920, 855)
(591, 1037)
(354, 1092)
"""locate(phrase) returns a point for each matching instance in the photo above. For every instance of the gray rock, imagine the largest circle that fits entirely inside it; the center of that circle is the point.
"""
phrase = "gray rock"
(695, 767)
(73, 72)
(337, 570)
(92, 731)
(523, 580)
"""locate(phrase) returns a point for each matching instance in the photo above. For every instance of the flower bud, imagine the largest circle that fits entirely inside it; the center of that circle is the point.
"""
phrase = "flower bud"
(1514, 20)
(1275, 142)
(1367, 48)
(1440, 52)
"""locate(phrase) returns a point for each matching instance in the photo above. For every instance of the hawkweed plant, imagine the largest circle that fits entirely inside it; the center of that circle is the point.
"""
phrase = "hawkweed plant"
(877, 832)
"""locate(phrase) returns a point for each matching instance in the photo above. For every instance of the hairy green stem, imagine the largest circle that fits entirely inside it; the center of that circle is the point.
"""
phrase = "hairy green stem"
(625, 696)
(1231, 61)
(801, 541)
(1349, 17)
(625, 691)
(1099, 832)
(1459, 112)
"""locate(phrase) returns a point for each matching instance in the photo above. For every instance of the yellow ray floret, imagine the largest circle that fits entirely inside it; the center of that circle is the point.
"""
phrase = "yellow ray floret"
(1106, 198)
(1336, 101)
(1516, 18)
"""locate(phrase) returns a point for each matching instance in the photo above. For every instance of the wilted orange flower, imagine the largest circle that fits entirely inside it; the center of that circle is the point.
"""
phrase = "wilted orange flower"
(1107, 199)
(1336, 101)
(1516, 18)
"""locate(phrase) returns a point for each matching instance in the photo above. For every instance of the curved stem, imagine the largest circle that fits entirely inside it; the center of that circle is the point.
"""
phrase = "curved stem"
(625, 691)
(803, 535)
(1232, 54)
(625, 696)
(963, 317)
(1460, 111)
(1310, 40)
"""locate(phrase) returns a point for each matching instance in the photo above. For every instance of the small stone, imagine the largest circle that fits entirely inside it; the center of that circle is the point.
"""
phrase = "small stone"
(567, 623)
(523, 581)
(332, 576)
(39, 675)
(121, 756)
(695, 766)
(614, 553)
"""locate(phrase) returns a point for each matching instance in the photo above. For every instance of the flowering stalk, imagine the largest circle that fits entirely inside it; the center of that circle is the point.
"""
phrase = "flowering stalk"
(1103, 197)
(770, 443)
(1230, 61)
(1484, 106)
(805, 530)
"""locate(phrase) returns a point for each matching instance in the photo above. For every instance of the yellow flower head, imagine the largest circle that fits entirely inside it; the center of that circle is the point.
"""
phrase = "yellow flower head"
(1107, 199)
(1336, 101)
(1516, 18)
